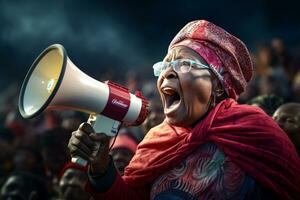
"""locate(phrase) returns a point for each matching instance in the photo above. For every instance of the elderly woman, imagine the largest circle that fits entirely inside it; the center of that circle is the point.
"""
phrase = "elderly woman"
(208, 146)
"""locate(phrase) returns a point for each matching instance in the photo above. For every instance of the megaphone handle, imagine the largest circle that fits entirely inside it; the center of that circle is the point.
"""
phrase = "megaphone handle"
(80, 161)
(101, 124)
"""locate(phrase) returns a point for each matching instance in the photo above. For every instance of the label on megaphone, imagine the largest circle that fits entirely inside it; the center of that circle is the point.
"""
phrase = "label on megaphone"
(103, 124)
(123, 106)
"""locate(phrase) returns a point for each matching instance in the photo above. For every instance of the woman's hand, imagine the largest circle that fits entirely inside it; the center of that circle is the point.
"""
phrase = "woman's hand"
(83, 143)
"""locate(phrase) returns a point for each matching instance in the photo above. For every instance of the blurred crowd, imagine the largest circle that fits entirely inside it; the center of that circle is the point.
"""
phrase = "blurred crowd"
(34, 160)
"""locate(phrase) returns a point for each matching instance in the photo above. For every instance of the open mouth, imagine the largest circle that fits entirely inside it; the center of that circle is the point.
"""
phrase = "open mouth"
(172, 99)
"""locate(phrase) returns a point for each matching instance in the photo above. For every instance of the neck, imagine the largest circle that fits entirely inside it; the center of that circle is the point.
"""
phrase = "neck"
(201, 118)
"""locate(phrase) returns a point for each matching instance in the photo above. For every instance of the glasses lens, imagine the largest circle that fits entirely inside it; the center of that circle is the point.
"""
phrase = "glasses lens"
(184, 66)
(159, 67)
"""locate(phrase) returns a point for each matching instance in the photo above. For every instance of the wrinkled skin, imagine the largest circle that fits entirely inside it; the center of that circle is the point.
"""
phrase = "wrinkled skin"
(72, 184)
(287, 117)
(194, 94)
(82, 144)
(194, 89)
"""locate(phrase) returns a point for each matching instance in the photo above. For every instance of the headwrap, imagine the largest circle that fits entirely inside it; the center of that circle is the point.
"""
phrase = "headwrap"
(245, 134)
(226, 55)
(71, 165)
(124, 141)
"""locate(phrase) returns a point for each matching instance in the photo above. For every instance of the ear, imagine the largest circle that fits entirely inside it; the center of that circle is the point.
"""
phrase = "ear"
(217, 87)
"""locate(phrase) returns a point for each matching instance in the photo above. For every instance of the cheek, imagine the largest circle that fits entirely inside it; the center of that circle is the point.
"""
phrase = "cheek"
(203, 90)
(197, 94)
(201, 100)
(292, 128)
(158, 84)
(197, 91)
(289, 128)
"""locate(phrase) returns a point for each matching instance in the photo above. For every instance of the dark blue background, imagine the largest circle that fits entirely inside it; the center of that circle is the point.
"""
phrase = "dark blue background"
(115, 36)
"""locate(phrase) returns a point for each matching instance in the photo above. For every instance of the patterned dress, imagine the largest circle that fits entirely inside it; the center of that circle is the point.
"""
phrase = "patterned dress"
(205, 174)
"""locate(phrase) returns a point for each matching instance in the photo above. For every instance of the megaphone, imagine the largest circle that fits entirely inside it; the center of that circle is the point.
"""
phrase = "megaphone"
(54, 82)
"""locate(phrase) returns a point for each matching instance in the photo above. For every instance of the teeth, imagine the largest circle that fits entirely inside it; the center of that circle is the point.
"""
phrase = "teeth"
(168, 90)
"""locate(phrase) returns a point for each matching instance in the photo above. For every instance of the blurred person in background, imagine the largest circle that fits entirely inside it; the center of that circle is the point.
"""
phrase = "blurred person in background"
(296, 87)
(269, 103)
(132, 81)
(53, 144)
(70, 120)
(287, 117)
(270, 76)
(155, 116)
(9, 99)
(283, 58)
(123, 149)
(7, 148)
(23, 186)
(72, 181)
(28, 159)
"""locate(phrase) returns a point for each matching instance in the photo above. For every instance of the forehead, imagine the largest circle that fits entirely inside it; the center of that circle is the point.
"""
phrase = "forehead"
(14, 179)
(182, 52)
(290, 110)
(122, 150)
(73, 171)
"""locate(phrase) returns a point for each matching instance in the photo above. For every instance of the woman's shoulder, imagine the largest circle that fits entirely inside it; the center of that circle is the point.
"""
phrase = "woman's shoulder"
(235, 111)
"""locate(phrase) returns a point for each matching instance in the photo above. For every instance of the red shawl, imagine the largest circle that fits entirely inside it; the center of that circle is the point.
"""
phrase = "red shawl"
(244, 133)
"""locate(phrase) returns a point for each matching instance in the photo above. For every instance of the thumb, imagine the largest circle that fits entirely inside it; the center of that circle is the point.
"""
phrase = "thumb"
(86, 127)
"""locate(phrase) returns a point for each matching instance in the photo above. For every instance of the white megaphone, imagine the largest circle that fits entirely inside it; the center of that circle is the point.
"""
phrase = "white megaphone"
(54, 82)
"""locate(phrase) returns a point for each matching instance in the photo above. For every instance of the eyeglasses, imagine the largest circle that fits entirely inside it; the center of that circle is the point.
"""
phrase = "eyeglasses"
(179, 66)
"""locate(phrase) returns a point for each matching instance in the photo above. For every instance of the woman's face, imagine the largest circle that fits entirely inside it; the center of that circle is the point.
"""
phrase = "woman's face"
(185, 96)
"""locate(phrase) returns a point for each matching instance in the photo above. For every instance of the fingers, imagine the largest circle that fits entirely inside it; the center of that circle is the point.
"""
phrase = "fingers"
(82, 146)
(83, 137)
(87, 144)
(75, 152)
(103, 140)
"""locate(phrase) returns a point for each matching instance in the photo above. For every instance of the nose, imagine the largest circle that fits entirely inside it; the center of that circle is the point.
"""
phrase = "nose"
(169, 73)
(117, 155)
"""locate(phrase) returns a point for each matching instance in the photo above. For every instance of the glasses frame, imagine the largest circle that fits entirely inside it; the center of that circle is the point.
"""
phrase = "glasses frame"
(161, 66)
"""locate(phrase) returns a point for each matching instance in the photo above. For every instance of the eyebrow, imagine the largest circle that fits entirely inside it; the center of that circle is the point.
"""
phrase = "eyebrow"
(168, 57)
(178, 55)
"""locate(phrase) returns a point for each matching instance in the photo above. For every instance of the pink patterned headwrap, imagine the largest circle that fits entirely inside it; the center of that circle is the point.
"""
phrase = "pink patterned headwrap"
(227, 55)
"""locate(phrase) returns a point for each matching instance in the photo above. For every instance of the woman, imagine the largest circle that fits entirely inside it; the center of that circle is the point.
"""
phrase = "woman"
(208, 146)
